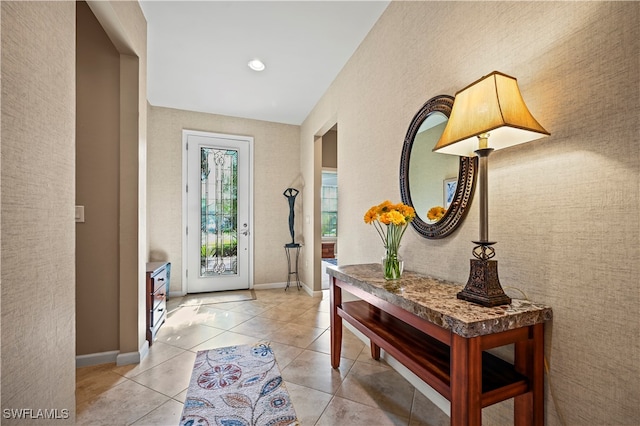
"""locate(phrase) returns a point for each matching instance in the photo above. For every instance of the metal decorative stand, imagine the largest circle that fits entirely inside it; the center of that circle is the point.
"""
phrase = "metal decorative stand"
(292, 267)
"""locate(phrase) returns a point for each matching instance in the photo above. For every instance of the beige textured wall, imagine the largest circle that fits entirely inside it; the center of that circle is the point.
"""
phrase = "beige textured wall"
(38, 195)
(564, 209)
(97, 188)
(38, 198)
(276, 167)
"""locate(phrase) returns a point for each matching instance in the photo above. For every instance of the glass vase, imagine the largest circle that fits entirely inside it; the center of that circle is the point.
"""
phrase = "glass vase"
(392, 266)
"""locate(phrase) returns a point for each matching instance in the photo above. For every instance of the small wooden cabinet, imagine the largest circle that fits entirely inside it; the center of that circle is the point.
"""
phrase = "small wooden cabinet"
(158, 276)
(328, 250)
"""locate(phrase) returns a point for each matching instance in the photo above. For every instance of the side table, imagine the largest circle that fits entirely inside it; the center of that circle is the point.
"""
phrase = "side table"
(445, 341)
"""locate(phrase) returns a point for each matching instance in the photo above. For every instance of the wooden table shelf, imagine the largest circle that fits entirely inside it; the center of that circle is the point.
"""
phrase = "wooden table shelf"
(428, 357)
(444, 340)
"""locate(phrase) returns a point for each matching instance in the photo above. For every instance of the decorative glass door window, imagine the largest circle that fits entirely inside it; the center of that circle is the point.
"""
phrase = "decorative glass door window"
(219, 212)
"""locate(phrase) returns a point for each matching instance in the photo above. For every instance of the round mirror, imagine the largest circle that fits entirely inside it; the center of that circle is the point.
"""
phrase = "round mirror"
(438, 186)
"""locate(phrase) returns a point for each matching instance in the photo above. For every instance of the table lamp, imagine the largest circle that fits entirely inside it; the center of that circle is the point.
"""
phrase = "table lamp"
(487, 115)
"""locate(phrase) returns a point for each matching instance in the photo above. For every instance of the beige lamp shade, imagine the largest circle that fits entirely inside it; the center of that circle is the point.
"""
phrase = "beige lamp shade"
(491, 105)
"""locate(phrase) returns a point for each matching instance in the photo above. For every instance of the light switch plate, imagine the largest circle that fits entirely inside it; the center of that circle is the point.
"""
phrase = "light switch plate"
(79, 213)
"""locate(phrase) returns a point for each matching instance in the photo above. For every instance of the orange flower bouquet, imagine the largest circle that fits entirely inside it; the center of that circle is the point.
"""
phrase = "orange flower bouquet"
(436, 213)
(390, 221)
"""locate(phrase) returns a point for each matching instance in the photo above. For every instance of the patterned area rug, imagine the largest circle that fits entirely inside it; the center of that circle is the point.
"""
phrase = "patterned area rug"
(237, 386)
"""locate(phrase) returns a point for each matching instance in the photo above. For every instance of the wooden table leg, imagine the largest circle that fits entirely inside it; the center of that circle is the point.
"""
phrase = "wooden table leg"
(336, 323)
(375, 351)
(466, 381)
(529, 360)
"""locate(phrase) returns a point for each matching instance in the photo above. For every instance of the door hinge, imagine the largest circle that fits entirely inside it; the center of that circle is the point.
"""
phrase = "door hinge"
(187, 230)
(186, 188)
(186, 273)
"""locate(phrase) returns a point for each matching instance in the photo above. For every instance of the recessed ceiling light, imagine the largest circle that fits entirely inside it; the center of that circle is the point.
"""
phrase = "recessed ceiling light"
(256, 65)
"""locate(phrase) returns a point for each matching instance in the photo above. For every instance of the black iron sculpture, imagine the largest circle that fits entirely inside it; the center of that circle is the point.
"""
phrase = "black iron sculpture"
(291, 194)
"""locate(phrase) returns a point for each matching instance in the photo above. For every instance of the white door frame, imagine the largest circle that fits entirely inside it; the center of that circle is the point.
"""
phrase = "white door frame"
(249, 139)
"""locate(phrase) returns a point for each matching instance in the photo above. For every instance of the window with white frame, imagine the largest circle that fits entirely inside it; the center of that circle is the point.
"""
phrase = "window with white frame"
(329, 203)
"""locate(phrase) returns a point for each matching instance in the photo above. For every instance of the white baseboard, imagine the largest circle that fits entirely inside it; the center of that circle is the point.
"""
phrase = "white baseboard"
(144, 350)
(255, 287)
(96, 359)
(264, 286)
(113, 356)
(312, 293)
(267, 286)
(133, 357)
(292, 286)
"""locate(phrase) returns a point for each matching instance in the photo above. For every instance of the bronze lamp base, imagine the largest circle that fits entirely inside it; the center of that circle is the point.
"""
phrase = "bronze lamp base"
(484, 286)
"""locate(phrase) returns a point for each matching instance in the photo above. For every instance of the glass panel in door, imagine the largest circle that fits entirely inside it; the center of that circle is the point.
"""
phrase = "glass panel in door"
(219, 204)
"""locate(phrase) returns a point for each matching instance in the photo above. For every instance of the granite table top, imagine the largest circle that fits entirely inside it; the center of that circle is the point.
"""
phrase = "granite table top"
(435, 301)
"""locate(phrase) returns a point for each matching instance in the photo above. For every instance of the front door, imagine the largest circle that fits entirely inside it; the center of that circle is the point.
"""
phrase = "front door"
(218, 210)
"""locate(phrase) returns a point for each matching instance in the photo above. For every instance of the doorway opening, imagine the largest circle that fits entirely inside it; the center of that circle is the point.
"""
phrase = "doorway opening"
(329, 226)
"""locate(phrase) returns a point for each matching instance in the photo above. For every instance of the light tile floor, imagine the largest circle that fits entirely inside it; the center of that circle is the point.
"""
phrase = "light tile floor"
(361, 392)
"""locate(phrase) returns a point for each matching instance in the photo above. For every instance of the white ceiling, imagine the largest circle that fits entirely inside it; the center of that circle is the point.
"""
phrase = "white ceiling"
(198, 53)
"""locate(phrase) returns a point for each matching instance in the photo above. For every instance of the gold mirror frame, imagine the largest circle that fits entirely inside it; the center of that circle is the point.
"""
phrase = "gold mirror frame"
(466, 176)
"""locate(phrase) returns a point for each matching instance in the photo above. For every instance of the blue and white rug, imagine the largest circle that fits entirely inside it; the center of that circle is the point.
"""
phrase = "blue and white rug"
(237, 386)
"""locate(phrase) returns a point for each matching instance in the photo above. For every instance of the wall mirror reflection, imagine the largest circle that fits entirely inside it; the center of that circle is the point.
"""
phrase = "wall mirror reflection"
(438, 186)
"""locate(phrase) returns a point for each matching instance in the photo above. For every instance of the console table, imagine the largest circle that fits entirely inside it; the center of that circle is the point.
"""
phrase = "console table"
(444, 340)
